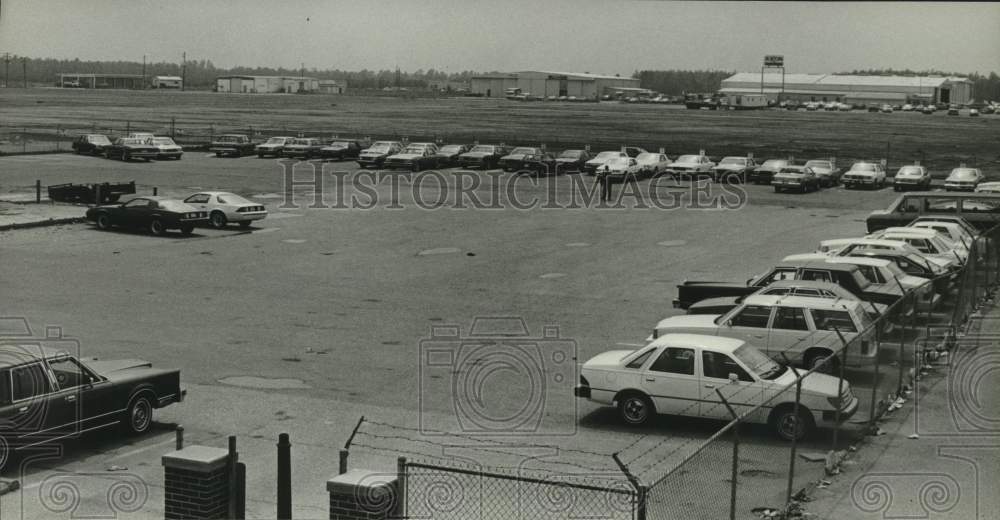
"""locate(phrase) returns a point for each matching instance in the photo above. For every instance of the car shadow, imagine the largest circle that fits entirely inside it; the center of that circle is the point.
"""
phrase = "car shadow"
(171, 234)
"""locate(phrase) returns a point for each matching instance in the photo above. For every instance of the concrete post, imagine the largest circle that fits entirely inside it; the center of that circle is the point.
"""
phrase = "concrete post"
(364, 495)
(196, 483)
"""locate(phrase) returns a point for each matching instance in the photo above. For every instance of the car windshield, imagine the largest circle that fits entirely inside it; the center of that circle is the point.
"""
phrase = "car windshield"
(570, 154)
(163, 141)
(175, 206)
(522, 150)
(228, 139)
(650, 157)
(617, 162)
(963, 174)
(451, 148)
(274, 140)
(818, 164)
(791, 170)
(483, 149)
(338, 144)
(759, 363)
(414, 149)
(734, 160)
(909, 170)
(773, 164)
(607, 155)
(132, 140)
(100, 139)
(863, 167)
(302, 141)
(379, 148)
(687, 158)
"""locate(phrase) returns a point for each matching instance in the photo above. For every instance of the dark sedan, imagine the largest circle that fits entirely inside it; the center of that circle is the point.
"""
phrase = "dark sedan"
(483, 156)
(157, 214)
(572, 160)
(302, 148)
(234, 145)
(449, 153)
(339, 150)
(93, 144)
(50, 395)
(128, 148)
(507, 163)
(535, 164)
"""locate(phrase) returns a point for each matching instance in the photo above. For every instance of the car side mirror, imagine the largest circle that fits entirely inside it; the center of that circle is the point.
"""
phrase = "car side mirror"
(733, 377)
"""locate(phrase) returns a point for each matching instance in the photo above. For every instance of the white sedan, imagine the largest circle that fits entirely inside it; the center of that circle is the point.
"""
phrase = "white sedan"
(652, 164)
(684, 374)
(224, 207)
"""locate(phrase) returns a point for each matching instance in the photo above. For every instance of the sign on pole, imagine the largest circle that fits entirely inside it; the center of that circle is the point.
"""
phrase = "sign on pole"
(774, 60)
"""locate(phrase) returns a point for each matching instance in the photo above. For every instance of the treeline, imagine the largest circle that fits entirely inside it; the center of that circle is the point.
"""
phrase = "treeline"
(984, 87)
(202, 73)
(677, 82)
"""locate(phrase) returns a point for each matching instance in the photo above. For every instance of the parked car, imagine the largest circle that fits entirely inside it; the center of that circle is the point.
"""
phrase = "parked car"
(145, 136)
(973, 112)
(763, 173)
(634, 151)
(810, 288)
(799, 327)
(907, 108)
(957, 233)
(959, 221)
(450, 153)
(93, 144)
(733, 168)
(376, 154)
(864, 174)
(885, 109)
(911, 177)
(847, 276)
(515, 155)
(826, 171)
(798, 178)
(273, 146)
(302, 148)
(882, 274)
(620, 168)
(341, 149)
(953, 110)
(157, 214)
(590, 167)
(652, 164)
(926, 241)
(572, 160)
(912, 264)
(684, 375)
(128, 148)
(168, 149)
(233, 145)
(947, 261)
(691, 166)
(224, 207)
(483, 156)
(50, 395)
(963, 179)
(415, 157)
(988, 187)
(981, 210)
(542, 163)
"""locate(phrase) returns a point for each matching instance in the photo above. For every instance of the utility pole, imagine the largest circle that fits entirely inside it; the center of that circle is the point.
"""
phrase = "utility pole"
(24, 71)
(183, 70)
(6, 68)
(143, 71)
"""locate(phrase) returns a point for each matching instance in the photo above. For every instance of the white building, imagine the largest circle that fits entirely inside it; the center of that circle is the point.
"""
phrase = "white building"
(167, 82)
(547, 83)
(266, 84)
(330, 86)
(852, 89)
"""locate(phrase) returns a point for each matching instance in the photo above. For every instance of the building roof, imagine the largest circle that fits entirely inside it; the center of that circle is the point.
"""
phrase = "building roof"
(168, 78)
(90, 75)
(240, 76)
(844, 80)
(579, 75)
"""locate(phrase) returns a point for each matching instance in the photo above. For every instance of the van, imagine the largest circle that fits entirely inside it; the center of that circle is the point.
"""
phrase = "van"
(979, 209)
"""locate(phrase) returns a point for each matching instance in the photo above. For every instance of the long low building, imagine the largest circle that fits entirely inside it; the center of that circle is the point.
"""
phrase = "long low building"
(266, 84)
(546, 83)
(86, 80)
(851, 88)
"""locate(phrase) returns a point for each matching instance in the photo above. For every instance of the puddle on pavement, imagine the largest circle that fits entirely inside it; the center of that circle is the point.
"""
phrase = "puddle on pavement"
(577, 244)
(439, 251)
(264, 383)
(552, 275)
(672, 243)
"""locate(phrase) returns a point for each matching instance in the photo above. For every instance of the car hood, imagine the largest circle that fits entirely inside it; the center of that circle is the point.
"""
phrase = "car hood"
(513, 157)
(729, 167)
(909, 174)
(823, 385)
(114, 369)
(405, 156)
(790, 175)
(731, 301)
(683, 165)
(597, 162)
(474, 155)
(609, 359)
(861, 173)
(822, 171)
(566, 159)
(367, 153)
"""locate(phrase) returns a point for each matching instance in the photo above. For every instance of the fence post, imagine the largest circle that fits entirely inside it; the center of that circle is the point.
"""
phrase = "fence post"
(173, 121)
(403, 485)
(284, 477)
(179, 433)
(878, 362)
(38, 191)
(155, 190)
(736, 455)
(343, 461)
(233, 459)
(643, 492)
(840, 382)
(795, 436)
(902, 344)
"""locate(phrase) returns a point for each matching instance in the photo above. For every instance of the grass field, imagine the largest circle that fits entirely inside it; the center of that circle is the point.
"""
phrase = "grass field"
(940, 141)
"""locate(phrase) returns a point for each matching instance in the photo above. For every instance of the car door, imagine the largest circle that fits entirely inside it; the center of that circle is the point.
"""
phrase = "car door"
(134, 213)
(199, 200)
(748, 323)
(789, 333)
(35, 414)
(742, 392)
(672, 383)
(91, 393)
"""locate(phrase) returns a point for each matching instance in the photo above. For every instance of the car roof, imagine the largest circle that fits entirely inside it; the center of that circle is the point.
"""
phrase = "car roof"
(213, 193)
(715, 343)
(803, 283)
(912, 230)
(821, 264)
(16, 354)
(771, 300)
(878, 242)
(875, 262)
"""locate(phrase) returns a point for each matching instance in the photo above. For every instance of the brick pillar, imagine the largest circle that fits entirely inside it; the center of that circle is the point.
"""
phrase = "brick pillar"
(363, 495)
(196, 483)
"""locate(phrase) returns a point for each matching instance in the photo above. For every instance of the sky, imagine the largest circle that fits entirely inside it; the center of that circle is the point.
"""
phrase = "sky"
(595, 36)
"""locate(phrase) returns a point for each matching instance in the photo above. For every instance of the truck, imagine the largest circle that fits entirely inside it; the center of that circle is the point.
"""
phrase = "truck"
(747, 101)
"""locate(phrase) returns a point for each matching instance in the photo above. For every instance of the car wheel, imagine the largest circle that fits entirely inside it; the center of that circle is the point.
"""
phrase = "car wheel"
(788, 425)
(156, 227)
(824, 362)
(777, 189)
(245, 224)
(635, 409)
(126, 157)
(139, 416)
(218, 219)
(104, 222)
(187, 229)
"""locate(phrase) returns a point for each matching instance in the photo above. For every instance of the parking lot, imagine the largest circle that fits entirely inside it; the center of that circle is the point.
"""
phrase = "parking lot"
(323, 311)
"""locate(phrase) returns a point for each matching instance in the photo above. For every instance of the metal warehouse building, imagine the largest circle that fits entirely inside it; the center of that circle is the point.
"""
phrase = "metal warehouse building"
(545, 84)
(266, 84)
(78, 80)
(852, 89)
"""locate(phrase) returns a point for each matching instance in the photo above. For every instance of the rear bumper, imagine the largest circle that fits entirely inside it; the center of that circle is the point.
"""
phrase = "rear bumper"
(246, 217)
